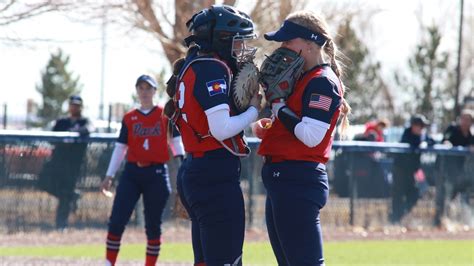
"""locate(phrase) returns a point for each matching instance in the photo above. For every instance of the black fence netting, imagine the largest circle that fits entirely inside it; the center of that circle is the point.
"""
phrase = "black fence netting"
(50, 180)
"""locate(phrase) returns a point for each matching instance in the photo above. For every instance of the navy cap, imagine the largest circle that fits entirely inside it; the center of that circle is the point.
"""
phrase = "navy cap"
(147, 79)
(290, 30)
(419, 119)
(75, 99)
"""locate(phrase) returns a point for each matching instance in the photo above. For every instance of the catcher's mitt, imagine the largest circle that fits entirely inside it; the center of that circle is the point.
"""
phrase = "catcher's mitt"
(279, 73)
(244, 86)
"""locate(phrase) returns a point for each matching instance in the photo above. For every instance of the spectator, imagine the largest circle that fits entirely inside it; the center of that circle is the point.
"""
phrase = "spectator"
(60, 173)
(452, 179)
(405, 193)
(374, 130)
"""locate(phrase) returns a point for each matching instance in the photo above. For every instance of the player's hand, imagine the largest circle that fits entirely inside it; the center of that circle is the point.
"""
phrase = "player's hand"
(256, 101)
(106, 185)
(260, 127)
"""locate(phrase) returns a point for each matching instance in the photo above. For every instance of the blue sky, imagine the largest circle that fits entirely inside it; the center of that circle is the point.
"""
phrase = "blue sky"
(393, 34)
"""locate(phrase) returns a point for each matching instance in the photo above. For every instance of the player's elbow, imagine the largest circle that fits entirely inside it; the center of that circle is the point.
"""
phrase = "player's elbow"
(311, 143)
(218, 133)
(311, 136)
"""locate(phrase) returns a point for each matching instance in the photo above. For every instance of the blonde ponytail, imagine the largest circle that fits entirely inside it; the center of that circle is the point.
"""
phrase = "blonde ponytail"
(331, 51)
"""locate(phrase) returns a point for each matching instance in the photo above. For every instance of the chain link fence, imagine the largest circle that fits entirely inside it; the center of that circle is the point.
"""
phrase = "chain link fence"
(42, 171)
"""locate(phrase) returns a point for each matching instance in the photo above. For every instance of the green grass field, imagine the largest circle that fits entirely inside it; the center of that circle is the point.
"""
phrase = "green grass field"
(413, 252)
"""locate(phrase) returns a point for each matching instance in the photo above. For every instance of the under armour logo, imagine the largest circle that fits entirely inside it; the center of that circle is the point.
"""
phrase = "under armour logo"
(276, 174)
(158, 171)
(134, 117)
(315, 37)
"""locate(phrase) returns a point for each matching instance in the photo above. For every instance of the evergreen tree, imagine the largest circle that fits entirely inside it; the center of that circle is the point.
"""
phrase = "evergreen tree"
(367, 92)
(57, 84)
(431, 81)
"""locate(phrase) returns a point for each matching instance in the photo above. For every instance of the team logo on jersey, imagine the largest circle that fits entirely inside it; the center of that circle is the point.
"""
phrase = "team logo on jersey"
(318, 101)
(141, 131)
(217, 86)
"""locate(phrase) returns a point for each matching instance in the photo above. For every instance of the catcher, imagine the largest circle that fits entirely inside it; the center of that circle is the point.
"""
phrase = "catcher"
(302, 83)
(202, 106)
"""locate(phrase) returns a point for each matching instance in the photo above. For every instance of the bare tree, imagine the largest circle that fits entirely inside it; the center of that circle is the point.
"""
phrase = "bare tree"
(166, 20)
(13, 11)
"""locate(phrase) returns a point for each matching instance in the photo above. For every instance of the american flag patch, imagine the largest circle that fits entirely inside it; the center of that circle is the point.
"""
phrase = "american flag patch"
(319, 101)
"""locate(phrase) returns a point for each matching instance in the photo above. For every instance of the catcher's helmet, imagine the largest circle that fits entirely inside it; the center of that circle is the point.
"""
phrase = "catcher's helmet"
(216, 28)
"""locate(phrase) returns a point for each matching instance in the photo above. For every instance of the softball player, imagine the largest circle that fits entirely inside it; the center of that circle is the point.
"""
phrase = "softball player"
(208, 182)
(143, 139)
(297, 146)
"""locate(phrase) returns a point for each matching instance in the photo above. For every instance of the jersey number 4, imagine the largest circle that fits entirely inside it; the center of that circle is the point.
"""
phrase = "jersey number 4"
(146, 145)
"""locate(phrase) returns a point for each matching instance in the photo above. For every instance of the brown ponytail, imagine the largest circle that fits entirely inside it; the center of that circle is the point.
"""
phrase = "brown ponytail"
(170, 106)
(171, 83)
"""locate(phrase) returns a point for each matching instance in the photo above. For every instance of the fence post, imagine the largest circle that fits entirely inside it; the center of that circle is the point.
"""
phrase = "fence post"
(109, 119)
(440, 192)
(352, 188)
(4, 116)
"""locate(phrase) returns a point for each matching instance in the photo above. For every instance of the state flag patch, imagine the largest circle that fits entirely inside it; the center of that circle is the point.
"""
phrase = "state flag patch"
(217, 86)
(319, 101)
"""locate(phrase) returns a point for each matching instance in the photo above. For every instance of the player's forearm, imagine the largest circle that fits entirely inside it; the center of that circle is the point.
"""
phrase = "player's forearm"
(117, 157)
(287, 117)
(224, 126)
(309, 131)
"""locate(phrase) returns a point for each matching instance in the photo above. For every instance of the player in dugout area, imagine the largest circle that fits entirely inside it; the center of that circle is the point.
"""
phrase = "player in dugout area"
(455, 177)
(297, 145)
(60, 174)
(144, 141)
(208, 182)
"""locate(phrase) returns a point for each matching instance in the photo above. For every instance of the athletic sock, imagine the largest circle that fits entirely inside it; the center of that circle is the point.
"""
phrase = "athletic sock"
(152, 251)
(113, 247)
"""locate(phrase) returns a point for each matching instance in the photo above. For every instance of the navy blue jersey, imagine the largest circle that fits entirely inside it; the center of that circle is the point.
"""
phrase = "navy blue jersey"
(321, 99)
(204, 84)
(211, 84)
(72, 124)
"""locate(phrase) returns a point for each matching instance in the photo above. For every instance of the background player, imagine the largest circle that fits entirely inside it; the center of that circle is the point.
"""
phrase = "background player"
(405, 192)
(208, 182)
(297, 146)
(59, 175)
(453, 178)
(143, 138)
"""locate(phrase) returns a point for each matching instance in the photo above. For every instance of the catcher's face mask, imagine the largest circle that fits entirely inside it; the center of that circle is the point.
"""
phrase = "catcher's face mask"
(242, 50)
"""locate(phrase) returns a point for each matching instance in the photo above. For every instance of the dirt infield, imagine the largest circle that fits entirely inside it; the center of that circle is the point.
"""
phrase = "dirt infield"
(182, 234)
